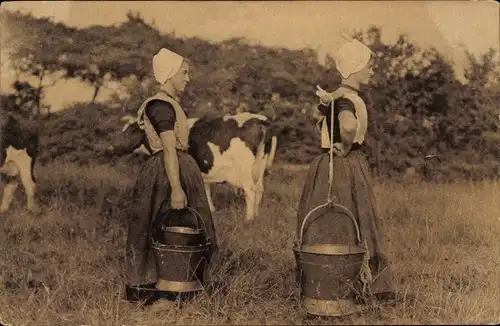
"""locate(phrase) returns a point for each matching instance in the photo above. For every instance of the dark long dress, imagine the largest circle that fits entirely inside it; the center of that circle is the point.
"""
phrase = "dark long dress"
(151, 193)
(352, 188)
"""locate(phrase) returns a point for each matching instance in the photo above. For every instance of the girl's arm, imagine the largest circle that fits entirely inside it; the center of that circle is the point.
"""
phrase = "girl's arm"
(162, 116)
(168, 141)
(347, 124)
(348, 127)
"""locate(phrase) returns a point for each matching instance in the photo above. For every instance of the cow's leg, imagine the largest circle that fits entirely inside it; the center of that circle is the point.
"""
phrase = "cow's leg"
(209, 197)
(246, 180)
(260, 169)
(8, 194)
(11, 171)
(26, 175)
(250, 201)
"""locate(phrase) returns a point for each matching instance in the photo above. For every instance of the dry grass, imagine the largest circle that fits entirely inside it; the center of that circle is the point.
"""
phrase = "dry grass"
(65, 267)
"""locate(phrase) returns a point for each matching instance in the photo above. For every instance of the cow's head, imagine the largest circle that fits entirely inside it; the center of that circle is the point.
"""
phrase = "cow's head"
(130, 139)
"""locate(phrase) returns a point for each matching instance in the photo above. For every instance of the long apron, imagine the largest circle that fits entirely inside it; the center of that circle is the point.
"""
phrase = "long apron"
(151, 192)
(352, 189)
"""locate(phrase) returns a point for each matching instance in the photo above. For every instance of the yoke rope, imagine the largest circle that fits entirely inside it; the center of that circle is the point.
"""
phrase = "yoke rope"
(365, 274)
(330, 172)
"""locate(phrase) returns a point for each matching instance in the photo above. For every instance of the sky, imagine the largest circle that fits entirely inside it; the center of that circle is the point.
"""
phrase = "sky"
(450, 26)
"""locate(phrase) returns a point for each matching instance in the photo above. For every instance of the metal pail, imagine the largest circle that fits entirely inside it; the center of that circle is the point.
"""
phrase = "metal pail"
(181, 257)
(178, 235)
(181, 236)
(329, 272)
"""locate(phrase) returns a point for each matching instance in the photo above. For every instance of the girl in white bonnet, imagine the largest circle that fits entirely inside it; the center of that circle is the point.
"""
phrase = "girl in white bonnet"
(351, 182)
(170, 179)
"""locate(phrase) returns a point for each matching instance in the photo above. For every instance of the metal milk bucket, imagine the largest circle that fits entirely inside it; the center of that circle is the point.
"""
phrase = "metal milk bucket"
(329, 272)
(181, 255)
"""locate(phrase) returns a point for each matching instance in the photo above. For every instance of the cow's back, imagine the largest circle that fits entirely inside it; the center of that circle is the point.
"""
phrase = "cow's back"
(220, 132)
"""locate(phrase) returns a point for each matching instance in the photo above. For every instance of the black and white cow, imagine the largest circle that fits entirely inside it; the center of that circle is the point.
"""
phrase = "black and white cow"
(237, 149)
(18, 151)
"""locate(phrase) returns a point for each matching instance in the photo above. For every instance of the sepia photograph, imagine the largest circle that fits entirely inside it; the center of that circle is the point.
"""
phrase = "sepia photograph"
(249, 163)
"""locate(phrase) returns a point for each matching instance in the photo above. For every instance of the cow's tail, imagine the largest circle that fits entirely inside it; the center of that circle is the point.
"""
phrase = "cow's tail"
(271, 144)
(272, 150)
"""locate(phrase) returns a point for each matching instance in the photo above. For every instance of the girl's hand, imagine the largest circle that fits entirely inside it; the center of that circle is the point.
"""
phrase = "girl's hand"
(178, 198)
(326, 97)
(323, 95)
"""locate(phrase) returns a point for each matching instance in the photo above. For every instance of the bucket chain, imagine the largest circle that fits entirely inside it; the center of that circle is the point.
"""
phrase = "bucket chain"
(330, 165)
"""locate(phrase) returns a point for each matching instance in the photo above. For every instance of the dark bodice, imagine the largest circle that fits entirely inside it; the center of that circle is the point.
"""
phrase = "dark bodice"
(161, 114)
(340, 105)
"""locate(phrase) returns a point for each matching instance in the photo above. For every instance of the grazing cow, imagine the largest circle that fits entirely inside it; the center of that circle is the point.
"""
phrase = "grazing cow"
(18, 151)
(237, 149)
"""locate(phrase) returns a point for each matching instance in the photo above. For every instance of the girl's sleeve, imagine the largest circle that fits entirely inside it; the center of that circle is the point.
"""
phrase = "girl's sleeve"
(344, 104)
(162, 115)
(341, 104)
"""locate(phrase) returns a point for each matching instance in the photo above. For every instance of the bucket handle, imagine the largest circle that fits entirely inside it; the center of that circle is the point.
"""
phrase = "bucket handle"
(198, 218)
(342, 208)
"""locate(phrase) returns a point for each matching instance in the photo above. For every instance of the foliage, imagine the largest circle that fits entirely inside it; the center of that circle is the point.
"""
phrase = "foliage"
(120, 54)
(78, 134)
(417, 106)
(37, 47)
(21, 101)
(420, 108)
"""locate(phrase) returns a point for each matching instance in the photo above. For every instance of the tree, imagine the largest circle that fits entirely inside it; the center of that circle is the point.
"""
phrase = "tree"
(36, 47)
(105, 53)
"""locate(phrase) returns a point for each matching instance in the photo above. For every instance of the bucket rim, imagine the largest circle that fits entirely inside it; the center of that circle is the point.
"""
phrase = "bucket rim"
(330, 308)
(187, 208)
(181, 248)
(330, 249)
(185, 230)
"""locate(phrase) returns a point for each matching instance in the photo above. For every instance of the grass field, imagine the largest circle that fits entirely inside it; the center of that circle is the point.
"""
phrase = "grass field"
(65, 266)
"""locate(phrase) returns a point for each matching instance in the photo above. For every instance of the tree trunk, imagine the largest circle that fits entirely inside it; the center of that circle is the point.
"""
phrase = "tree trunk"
(36, 107)
(97, 88)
